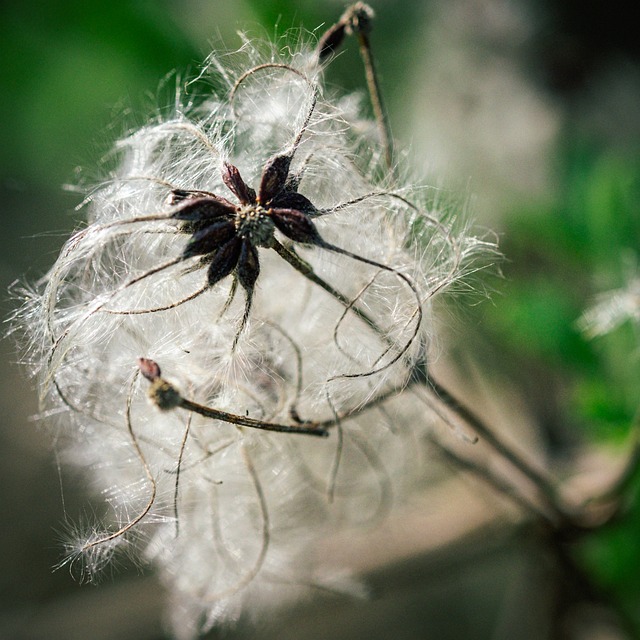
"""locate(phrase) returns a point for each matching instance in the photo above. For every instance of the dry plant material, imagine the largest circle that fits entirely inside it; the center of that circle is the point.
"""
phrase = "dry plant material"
(259, 426)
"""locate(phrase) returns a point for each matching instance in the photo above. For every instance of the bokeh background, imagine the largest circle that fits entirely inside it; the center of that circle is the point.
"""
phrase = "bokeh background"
(528, 111)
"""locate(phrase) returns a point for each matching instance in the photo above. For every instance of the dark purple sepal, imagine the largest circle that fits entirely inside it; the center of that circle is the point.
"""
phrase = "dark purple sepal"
(224, 261)
(293, 200)
(202, 209)
(274, 177)
(293, 181)
(210, 238)
(232, 178)
(296, 226)
(248, 265)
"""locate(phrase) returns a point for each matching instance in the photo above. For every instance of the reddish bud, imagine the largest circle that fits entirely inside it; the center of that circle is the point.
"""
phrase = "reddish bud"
(149, 369)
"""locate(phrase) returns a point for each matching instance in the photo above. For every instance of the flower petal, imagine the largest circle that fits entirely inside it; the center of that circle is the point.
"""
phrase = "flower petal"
(296, 225)
(224, 261)
(248, 265)
(274, 177)
(210, 238)
(203, 209)
(293, 200)
(232, 178)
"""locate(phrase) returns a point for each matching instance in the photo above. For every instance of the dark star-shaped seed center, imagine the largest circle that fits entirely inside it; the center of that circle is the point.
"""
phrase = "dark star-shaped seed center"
(254, 223)
(226, 235)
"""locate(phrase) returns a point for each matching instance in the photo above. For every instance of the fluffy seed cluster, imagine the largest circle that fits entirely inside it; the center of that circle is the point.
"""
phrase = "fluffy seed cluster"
(612, 309)
(246, 282)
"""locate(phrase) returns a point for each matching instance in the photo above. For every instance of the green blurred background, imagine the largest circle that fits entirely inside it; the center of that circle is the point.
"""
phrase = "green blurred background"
(529, 109)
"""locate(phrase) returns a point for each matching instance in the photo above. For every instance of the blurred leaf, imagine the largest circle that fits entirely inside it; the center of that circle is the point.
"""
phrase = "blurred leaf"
(559, 257)
(66, 71)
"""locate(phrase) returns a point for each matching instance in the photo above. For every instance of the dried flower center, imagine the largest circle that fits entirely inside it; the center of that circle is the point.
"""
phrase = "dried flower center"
(255, 223)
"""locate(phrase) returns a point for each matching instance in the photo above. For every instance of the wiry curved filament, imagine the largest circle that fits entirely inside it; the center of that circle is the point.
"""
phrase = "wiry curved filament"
(279, 65)
(147, 470)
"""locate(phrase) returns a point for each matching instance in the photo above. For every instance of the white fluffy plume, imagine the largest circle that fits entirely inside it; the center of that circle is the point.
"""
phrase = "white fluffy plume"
(318, 317)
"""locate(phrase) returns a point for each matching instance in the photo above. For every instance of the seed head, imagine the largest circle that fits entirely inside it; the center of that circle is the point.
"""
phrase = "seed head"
(215, 480)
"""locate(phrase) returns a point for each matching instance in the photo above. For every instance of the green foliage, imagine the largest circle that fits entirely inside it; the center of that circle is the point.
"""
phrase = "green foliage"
(559, 256)
(64, 73)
